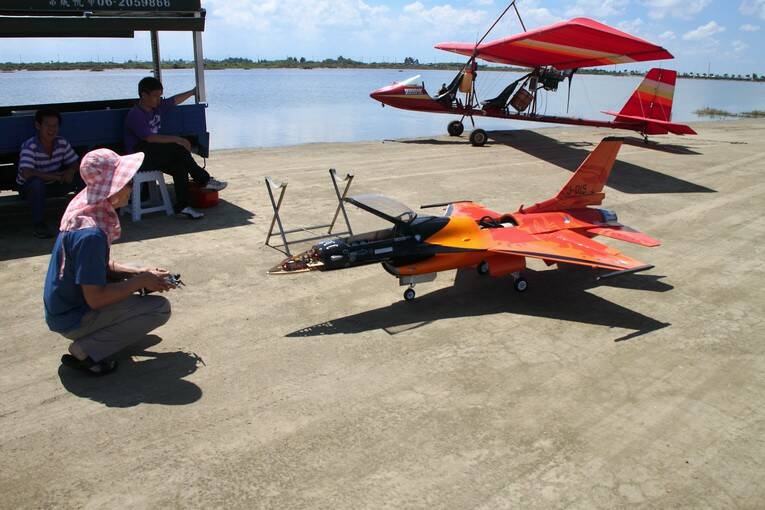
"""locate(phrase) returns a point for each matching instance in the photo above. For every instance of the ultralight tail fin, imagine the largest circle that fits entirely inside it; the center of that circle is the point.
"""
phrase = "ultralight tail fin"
(653, 97)
(585, 187)
(649, 108)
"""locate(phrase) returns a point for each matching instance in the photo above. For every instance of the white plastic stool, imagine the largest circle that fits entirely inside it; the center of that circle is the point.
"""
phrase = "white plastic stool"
(159, 198)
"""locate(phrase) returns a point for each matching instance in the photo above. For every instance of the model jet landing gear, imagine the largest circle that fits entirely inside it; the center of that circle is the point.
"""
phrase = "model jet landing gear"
(478, 138)
(412, 280)
(455, 128)
(483, 268)
(520, 283)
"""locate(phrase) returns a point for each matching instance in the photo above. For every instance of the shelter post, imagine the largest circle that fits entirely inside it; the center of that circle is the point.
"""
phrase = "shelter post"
(199, 68)
(155, 56)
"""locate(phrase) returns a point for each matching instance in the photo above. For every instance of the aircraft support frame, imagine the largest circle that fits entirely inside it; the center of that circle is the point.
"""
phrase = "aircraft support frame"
(272, 186)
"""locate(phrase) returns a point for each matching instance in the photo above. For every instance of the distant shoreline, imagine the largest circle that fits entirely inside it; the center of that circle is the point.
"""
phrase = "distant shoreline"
(339, 63)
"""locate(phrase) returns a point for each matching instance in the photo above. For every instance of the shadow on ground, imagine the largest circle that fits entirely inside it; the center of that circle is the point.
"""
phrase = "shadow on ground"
(670, 148)
(625, 177)
(559, 295)
(143, 377)
(16, 239)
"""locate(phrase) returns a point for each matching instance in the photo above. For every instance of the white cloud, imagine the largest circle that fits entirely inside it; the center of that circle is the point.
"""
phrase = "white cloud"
(304, 16)
(750, 7)
(704, 32)
(597, 8)
(739, 46)
(441, 15)
(685, 9)
(631, 26)
(668, 36)
(749, 28)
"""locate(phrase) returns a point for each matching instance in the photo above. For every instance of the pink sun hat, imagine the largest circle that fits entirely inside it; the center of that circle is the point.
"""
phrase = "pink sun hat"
(105, 172)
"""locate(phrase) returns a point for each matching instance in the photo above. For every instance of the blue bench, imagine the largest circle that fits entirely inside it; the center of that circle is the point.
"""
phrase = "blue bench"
(91, 125)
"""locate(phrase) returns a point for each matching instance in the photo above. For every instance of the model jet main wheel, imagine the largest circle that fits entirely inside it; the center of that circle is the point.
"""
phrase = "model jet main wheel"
(521, 284)
(455, 128)
(478, 138)
(483, 268)
(409, 294)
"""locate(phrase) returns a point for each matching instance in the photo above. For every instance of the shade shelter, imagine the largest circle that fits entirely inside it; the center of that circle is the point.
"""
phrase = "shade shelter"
(91, 124)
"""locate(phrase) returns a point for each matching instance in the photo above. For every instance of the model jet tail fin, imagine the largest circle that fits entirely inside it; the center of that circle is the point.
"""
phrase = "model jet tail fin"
(586, 185)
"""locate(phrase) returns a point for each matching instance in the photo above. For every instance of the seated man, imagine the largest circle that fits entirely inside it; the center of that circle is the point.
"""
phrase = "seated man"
(99, 317)
(167, 153)
(47, 167)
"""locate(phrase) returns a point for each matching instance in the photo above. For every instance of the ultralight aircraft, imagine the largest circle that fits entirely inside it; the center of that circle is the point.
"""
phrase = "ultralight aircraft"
(553, 54)
(558, 231)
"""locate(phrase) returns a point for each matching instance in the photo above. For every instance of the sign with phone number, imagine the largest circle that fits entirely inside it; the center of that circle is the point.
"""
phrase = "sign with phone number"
(96, 5)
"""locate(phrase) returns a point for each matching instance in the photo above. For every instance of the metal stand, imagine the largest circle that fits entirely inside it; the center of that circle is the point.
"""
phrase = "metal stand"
(272, 185)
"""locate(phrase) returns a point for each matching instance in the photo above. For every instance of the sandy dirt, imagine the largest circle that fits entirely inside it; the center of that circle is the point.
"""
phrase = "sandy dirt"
(327, 390)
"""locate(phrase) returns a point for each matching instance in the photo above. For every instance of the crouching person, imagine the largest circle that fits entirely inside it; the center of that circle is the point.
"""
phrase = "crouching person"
(89, 298)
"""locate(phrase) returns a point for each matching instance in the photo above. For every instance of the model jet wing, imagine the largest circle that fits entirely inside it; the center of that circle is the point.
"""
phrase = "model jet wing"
(627, 234)
(580, 42)
(470, 209)
(561, 246)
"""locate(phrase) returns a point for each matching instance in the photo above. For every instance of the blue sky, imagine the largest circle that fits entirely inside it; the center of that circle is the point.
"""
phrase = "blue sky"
(726, 36)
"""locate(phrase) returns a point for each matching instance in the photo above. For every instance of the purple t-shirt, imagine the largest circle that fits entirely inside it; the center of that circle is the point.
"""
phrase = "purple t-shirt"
(139, 123)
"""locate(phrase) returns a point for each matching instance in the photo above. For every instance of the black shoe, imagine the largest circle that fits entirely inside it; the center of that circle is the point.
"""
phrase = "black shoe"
(41, 231)
(89, 366)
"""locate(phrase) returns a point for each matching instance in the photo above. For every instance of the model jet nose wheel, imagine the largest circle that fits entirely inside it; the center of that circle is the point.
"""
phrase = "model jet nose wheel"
(521, 284)
(455, 128)
(483, 268)
(409, 294)
(478, 138)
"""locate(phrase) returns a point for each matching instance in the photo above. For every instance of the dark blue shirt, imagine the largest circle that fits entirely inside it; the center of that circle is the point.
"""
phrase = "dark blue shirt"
(87, 259)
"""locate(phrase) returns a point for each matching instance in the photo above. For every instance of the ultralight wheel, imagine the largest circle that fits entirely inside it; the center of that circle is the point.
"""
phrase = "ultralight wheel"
(478, 137)
(521, 284)
(483, 268)
(455, 128)
(409, 294)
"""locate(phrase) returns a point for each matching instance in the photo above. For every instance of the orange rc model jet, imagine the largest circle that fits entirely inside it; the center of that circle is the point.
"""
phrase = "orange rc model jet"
(558, 230)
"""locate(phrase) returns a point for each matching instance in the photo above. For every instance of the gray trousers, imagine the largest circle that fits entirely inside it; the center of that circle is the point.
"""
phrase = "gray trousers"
(114, 327)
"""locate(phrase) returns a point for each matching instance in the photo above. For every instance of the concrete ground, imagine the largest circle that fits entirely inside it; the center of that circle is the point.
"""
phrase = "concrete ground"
(328, 391)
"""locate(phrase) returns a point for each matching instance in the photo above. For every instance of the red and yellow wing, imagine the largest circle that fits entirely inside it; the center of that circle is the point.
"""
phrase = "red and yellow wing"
(572, 44)
(561, 246)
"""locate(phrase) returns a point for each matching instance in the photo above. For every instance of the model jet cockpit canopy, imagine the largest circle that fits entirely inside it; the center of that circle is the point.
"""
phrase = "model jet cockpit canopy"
(384, 207)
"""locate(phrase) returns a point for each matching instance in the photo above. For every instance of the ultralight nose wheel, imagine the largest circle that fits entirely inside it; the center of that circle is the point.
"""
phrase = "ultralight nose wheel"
(521, 284)
(478, 138)
(455, 128)
(409, 294)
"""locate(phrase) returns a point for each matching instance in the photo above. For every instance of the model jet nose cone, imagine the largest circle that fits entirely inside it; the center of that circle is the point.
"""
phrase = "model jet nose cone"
(300, 263)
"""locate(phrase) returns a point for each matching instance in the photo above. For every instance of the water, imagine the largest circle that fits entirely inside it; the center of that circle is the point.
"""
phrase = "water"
(275, 107)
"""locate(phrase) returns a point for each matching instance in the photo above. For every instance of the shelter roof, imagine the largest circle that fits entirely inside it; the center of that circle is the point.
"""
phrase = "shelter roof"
(98, 18)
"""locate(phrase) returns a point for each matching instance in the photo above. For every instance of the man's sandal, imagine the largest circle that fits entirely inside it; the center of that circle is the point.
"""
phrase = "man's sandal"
(96, 368)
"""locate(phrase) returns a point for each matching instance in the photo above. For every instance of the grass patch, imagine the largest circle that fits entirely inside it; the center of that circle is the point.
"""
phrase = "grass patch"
(714, 112)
